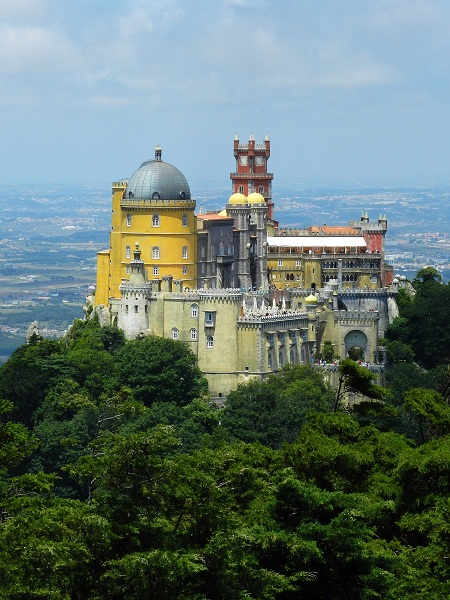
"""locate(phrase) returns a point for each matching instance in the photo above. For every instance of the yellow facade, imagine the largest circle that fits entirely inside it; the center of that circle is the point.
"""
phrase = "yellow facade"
(166, 231)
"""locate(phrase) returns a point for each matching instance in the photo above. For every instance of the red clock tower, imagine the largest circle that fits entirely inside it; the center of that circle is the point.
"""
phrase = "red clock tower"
(251, 170)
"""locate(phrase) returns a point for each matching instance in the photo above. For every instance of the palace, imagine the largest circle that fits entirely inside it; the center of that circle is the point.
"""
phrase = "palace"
(247, 296)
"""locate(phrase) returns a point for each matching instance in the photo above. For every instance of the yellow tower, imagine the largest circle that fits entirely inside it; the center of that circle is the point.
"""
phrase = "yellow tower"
(153, 208)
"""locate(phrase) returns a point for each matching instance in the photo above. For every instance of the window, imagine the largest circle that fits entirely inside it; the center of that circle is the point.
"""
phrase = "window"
(155, 253)
(175, 333)
(184, 252)
(128, 269)
(128, 252)
(241, 189)
(185, 271)
(210, 341)
(282, 338)
(261, 190)
(313, 271)
(280, 359)
(184, 221)
(271, 339)
(209, 319)
(193, 334)
(194, 310)
(269, 361)
(136, 308)
(298, 263)
(155, 221)
(155, 270)
(128, 220)
(280, 263)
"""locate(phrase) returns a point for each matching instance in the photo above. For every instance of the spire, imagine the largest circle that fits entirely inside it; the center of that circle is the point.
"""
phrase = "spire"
(158, 152)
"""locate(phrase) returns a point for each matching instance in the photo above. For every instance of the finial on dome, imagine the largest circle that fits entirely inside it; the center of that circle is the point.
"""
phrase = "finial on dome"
(236, 137)
(266, 139)
(158, 152)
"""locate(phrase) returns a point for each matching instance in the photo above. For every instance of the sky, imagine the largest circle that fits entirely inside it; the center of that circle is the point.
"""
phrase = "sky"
(351, 91)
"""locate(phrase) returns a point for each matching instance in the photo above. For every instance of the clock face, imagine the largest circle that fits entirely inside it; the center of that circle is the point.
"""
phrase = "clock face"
(243, 160)
(259, 160)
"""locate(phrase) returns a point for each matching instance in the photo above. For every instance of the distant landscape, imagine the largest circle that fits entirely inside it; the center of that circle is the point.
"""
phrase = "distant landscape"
(49, 238)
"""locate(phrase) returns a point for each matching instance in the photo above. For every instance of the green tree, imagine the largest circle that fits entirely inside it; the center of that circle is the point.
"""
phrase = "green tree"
(52, 551)
(328, 353)
(273, 411)
(356, 379)
(430, 411)
(160, 370)
(399, 352)
(427, 275)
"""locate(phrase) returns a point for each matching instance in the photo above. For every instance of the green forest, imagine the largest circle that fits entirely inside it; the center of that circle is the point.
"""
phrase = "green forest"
(119, 479)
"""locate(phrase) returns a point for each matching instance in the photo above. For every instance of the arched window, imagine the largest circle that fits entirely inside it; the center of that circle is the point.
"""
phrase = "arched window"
(155, 253)
(269, 361)
(221, 249)
(128, 220)
(184, 221)
(155, 221)
(128, 252)
(184, 252)
(261, 190)
(175, 333)
(194, 310)
(280, 359)
(210, 341)
(241, 189)
(193, 334)
(230, 248)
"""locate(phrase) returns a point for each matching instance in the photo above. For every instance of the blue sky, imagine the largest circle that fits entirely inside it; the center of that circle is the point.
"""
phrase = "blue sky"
(355, 91)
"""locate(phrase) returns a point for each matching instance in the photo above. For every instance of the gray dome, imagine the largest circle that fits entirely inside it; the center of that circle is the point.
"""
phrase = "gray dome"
(157, 180)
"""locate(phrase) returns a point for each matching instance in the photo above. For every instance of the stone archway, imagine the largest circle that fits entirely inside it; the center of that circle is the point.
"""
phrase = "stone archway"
(356, 339)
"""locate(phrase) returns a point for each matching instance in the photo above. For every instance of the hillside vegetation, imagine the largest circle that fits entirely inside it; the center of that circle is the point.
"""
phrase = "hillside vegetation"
(118, 479)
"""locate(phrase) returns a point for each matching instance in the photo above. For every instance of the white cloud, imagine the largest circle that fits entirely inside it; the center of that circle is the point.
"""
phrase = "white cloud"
(24, 11)
(34, 49)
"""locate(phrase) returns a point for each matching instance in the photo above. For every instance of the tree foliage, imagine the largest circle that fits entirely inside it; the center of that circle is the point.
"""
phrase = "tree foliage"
(118, 479)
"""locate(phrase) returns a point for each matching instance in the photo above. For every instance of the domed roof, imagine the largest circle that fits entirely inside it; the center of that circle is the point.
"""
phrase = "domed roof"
(237, 198)
(255, 198)
(311, 299)
(157, 180)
